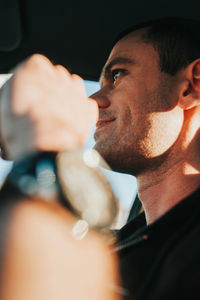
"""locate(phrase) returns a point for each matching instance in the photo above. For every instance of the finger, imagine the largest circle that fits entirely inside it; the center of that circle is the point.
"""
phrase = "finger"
(38, 61)
(62, 71)
(57, 140)
(30, 80)
(79, 86)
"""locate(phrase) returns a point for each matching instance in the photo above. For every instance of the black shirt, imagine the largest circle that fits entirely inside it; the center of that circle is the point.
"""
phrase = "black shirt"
(162, 260)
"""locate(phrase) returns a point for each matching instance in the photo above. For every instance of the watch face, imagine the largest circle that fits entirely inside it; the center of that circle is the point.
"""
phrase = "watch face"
(86, 187)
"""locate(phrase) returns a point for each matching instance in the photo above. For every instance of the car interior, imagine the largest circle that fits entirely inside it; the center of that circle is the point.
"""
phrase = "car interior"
(77, 34)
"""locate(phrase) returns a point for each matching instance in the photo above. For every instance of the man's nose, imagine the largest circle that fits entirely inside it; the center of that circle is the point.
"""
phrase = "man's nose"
(101, 98)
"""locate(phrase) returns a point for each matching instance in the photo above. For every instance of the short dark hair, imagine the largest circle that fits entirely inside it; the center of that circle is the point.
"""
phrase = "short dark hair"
(177, 41)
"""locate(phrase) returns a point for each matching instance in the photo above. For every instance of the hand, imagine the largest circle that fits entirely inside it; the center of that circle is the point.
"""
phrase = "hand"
(43, 260)
(54, 101)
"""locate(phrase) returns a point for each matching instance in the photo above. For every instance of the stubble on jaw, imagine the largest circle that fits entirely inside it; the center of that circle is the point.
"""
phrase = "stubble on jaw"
(120, 148)
(129, 150)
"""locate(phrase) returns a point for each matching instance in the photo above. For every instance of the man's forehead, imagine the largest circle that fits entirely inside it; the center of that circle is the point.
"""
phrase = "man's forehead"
(128, 51)
(126, 44)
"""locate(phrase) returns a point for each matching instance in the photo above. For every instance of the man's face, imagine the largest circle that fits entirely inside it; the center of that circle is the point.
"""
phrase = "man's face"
(138, 117)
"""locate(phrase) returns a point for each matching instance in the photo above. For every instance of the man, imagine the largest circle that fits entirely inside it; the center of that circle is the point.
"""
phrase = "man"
(149, 120)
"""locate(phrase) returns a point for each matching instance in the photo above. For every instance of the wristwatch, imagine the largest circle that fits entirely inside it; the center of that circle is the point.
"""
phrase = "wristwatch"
(75, 178)
(87, 188)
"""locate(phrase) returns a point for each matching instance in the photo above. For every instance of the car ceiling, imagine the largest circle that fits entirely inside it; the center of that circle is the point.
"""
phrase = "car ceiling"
(76, 34)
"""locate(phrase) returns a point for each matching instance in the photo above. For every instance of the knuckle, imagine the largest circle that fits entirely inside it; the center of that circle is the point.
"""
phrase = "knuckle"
(62, 70)
(38, 60)
(60, 67)
(36, 57)
(77, 78)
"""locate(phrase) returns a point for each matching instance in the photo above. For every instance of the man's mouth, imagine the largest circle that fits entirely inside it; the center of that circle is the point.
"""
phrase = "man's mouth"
(104, 122)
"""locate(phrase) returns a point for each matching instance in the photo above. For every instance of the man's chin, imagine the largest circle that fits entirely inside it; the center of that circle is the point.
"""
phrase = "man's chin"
(97, 148)
(105, 154)
(101, 150)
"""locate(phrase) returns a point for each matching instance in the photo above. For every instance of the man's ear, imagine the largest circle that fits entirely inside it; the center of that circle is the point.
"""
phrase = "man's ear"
(189, 96)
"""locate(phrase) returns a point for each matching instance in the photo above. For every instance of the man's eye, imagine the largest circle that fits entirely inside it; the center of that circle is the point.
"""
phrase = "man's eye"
(116, 74)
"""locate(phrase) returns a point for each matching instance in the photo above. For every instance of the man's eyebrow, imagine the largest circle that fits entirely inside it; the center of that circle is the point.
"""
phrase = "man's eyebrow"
(118, 60)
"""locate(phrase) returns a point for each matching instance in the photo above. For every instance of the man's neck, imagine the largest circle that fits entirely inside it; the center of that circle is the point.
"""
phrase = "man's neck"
(160, 191)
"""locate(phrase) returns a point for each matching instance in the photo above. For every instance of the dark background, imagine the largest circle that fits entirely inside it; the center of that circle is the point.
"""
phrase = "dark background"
(76, 34)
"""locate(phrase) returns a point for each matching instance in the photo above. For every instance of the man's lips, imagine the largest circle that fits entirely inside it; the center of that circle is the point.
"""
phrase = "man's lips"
(103, 122)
